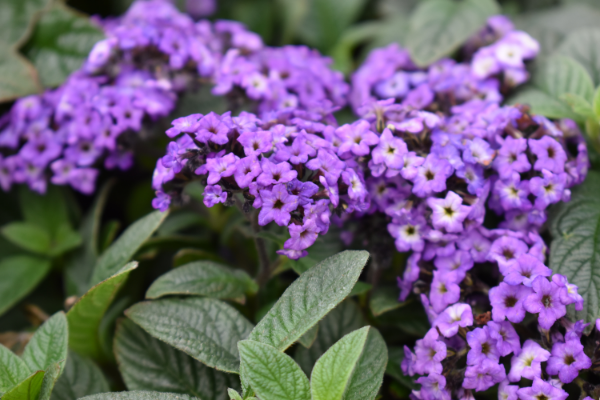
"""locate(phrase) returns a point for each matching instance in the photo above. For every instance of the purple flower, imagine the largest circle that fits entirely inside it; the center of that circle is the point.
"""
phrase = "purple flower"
(83, 179)
(187, 124)
(507, 302)
(542, 390)
(275, 173)
(567, 360)
(302, 236)
(513, 193)
(460, 261)
(483, 375)
(256, 143)
(456, 316)
(356, 187)
(304, 190)
(528, 363)
(431, 176)
(512, 158)
(220, 167)
(161, 201)
(448, 213)
(356, 138)
(390, 151)
(479, 151)
(525, 271)
(292, 254)
(507, 339)
(430, 352)
(550, 154)
(214, 194)
(432, 387)
(444, 289)
(483, 347)
(505, 251)
(328, 164)
(246, 169)
(277, 204)
(545, 301)
(408, 236)
(506, 391)
(212, 128)
(568, 292)
(549, 189)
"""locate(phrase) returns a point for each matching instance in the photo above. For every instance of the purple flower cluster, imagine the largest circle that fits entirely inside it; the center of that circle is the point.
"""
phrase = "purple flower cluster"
(150, 55)
(448, 152)
(287, 168)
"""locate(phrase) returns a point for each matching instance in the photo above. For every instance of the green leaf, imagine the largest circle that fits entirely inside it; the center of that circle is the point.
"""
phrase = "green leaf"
(273, 375)
(50, 378)
(18, 77)
(13, 370)
(310, 298)
(583, 45)
(126, 245)
(28, 236)
(542, 103)
(139, 395)
(309, 337)
(439, 27)
(203, 278)
(60, 43)
(234, 395)
(205, 328)
(29, 389)
(342, 320)
(148, 363)
(78, 270)
(66, 239)
(86, 315)
(19, 275)
(596, 104)
(48, 345)
(385, 299)
(575, 245)
(48, 211)
(352, 368)
(186, 256)
(579, 105)
(393, 369)
(560, 74)
(80, 378)
(16, 17)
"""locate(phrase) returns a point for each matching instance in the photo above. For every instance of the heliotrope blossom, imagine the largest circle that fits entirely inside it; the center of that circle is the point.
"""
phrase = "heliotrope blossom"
(150, 56)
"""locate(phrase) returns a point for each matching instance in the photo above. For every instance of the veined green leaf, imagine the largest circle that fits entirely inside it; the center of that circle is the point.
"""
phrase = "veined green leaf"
(28, 236)
(579, 105)
(542, 103)
(273, 375)
(60, 43)
(18, 77)
(86, 315)
(126, 246)
(19, 275)
(352, 368)
(13, 370)
(203, 278)
(29, 389)
(48, 345)
(206, 329)
(148, 363)
(561, 74)
(575, 245)
(80, 378)
(139, 395)
(310, 298)
(50, 378)
(48, 211)
(343, 319)
(583, 45)
(439, 27)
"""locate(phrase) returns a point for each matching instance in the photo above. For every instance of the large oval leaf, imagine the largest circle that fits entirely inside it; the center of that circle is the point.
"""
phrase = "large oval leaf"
(203, 278)
(19, 275)
(583, 45)
(273, 375)
(13, 370)
(310, 298)
(126, 246)
(29, 389)
(48, 345)
(439, 27)
(80, 378)
(575, 246)
(148, 363)
(352, 368)
(205, 328)
(86, 315)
